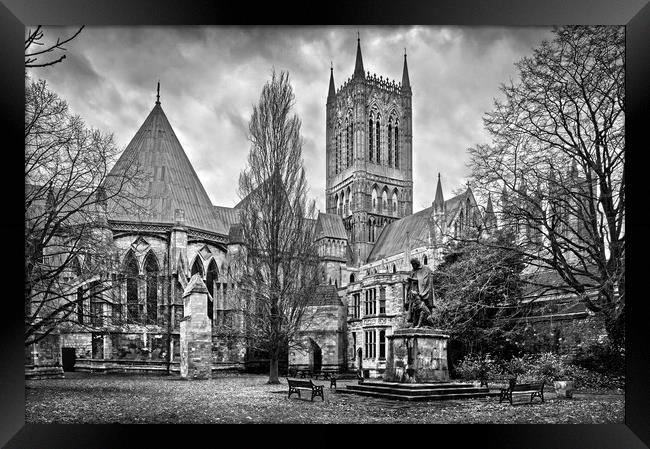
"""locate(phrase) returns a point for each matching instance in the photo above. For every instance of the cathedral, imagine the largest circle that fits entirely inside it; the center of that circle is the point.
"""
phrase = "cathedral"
(366, 238)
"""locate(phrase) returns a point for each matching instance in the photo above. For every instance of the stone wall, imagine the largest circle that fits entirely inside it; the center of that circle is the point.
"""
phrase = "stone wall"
(43, 358)
(324, 329)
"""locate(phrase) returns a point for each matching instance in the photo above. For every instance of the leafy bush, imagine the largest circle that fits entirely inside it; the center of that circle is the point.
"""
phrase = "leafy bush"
(600, 358)
(547, 366)
(477, 366)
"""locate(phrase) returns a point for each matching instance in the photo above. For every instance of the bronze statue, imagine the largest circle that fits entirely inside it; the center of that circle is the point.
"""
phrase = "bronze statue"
(419, 295)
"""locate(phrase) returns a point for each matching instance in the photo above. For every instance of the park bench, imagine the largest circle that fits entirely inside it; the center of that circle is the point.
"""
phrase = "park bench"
(535, 389)
(295, 385)
(356, 375)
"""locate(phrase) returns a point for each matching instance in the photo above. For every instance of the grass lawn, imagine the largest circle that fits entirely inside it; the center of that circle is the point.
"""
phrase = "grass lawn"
(98, 398)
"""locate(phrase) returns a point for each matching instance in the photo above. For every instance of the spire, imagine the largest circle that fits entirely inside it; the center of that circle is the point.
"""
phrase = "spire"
(439, 201)
(332, 90)
(158, 94)
(406, 84)
(358, 66)
(489, 209)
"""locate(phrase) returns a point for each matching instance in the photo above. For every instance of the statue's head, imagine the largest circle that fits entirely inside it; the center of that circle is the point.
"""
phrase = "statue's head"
(415, 263)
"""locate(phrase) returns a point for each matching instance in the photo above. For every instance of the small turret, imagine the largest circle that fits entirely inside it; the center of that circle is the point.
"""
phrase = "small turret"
(332, 90)
(358, 65)
(406, 83)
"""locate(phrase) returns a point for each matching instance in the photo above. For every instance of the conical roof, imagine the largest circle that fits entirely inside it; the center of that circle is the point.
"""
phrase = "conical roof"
(166, 182)
(406, 83)
(332, 90)
(358, 64)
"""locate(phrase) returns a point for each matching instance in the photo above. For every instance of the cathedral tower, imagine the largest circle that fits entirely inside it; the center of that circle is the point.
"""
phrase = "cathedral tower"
(369, 154)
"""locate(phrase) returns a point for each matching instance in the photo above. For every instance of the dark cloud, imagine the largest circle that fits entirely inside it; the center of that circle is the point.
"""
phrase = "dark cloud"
(211, 77)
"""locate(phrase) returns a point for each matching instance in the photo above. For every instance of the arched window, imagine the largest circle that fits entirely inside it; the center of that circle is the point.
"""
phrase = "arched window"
(351, 277)
(394, 269)
(151, 278)
(374, 199)
(468, 212)
(347, 201)
(370, 138)
(461, 219)
(132, 304)
(390, 142)
(349, 140)
(394, 201)
(396, 146)
(426, 260)
(343, 203)
(197, 266)
(384, 202)
(338, 205)
(337, 150)
(210, 279)
(378, 140)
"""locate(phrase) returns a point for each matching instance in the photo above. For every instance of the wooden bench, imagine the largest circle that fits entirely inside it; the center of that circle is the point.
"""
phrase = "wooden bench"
(357, 375)
(535, 389)
(295, 385)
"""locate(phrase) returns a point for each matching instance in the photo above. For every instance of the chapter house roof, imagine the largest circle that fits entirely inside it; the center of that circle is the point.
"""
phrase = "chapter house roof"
(169, 180)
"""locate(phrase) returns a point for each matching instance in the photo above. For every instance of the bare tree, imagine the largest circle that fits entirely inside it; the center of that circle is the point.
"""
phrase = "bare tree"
(69, 254)
(556, 161)
(277, 272)
(35, 48)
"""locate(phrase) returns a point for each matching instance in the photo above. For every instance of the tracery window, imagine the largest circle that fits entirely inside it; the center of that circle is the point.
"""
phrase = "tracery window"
(378, 140)
(370, 139)
(132, 303)
(396, 146)
(390, 142)
(151, 280)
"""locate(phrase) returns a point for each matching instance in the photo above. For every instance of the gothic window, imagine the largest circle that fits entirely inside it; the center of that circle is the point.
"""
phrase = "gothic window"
(378, 140)
(151, 276)
(210, 279)
(347, 201)
(426, 261)
(384, 202)
(343, 212)
(80, 305)
(338, 205)
(396, 146)
(197, 267)
(374, 199)
(394, 269)
(351, 277)
(390, 142)
(394, 201)
(339, 151)
(132, 303)
(370, 139)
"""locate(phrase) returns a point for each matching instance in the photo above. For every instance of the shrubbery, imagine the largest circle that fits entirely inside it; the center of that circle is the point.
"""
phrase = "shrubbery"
(548, 366)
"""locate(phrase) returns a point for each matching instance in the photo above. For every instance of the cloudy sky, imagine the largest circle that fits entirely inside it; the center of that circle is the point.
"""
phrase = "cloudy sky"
(211, 76)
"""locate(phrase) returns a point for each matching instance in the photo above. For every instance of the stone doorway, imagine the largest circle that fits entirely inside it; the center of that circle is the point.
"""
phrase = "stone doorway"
(69, 357)
(315, 356)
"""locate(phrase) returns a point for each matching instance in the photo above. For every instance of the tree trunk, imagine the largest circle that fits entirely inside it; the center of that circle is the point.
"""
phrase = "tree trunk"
(273, 369)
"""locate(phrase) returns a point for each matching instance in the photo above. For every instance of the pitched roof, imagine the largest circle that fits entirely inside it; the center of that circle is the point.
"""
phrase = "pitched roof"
(170, 180)
(228, 215)
(393, 239)
(325, 295)
(330, 226)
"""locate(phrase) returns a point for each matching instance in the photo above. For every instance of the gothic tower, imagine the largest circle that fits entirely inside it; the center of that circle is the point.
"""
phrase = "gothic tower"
(369, 154)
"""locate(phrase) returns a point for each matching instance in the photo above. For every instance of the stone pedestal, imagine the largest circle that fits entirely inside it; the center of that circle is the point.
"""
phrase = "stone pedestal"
(196, 332)
(417, 356)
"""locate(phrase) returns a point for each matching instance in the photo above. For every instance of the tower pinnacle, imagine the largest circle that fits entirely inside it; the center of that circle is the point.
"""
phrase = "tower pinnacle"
(332, 90)
(358, 66)
(406, 83)
(158, 93)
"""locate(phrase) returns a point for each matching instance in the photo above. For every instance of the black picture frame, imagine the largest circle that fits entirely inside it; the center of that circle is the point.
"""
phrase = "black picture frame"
(16, 14)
